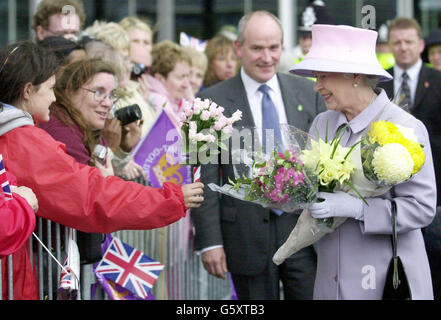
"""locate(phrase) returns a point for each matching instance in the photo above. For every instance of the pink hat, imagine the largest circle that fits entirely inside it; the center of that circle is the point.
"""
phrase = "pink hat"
(343, 49)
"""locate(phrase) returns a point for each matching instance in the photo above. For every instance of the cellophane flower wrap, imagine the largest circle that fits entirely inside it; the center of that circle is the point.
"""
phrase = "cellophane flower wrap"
(387, 154)
(276, 179)
(333, 166)
(204, 128)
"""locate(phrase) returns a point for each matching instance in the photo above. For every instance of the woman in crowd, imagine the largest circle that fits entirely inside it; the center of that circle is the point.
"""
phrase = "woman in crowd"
(169, 81)
(115, 36)
(223, 63)
(115, 46)
(71, 193)
(141, 40)
(198, 68)
(353, 260)
(77, 119)
(432, 49)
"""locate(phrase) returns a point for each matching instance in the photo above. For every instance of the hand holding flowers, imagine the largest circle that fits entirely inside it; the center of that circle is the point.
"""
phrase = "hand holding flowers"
(376, 169)
(204, 127)
(332, 164)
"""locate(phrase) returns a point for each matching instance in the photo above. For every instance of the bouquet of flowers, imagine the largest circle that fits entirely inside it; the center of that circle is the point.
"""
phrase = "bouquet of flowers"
(333, 166)
(390, 153)
(387, 155)
(274, 180)
(331, 163)
(204, 127)
(278, 182)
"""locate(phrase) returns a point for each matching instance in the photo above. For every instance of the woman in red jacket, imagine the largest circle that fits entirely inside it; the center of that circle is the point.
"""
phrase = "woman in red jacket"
(71, 193)
(17, 222)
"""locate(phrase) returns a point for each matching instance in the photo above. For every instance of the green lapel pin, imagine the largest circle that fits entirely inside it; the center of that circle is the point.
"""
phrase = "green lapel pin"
(300, 108)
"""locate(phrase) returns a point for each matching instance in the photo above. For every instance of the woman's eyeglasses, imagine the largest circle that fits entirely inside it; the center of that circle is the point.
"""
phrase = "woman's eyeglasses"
(100, 95)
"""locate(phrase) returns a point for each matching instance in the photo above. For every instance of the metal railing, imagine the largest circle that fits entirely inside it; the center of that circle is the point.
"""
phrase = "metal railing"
(183, 277)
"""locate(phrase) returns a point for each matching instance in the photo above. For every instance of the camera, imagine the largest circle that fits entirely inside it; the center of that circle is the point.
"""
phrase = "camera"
(137, 70)
(128, 114)
(100, 152)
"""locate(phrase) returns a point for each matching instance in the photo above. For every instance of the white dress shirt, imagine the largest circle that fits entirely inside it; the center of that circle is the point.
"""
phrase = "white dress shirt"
(255, 98)
(413, 73)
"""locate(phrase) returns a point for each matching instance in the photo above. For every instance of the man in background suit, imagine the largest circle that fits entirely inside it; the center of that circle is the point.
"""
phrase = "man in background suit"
(423, 87)
(241, 237)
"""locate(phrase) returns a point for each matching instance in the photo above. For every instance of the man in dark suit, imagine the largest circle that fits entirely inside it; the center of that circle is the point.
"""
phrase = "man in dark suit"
(420, 94)
(241, 237)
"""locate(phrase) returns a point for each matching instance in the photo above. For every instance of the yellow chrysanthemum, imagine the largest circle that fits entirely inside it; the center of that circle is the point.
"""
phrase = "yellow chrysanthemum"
(417, 154)
(385, 132)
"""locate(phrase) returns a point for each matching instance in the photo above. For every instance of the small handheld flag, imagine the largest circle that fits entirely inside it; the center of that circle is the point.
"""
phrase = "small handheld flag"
(4, 180)
(129, 268)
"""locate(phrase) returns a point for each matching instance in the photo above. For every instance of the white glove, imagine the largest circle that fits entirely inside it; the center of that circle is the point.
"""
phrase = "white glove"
(338, 204)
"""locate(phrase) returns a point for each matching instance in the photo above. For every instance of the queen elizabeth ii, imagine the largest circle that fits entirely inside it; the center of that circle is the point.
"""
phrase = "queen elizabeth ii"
(353, 260)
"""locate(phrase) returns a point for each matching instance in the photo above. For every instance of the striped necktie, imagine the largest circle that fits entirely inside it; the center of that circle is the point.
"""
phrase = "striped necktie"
(405, 101)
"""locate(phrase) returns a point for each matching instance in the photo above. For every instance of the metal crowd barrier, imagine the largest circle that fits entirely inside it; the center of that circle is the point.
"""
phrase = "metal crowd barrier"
(183, 277)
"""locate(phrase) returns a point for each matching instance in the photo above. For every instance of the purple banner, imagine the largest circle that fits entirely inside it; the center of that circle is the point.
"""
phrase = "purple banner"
(159, 154)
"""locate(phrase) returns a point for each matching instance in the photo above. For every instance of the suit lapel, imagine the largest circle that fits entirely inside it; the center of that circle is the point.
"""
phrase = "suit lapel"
(239, 100)
(290, 101)
(423, 84)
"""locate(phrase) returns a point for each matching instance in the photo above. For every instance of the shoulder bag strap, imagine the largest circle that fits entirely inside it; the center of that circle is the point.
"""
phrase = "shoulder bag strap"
(394, 244)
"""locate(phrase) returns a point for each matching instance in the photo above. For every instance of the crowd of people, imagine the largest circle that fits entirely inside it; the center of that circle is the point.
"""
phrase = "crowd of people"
(60, 95)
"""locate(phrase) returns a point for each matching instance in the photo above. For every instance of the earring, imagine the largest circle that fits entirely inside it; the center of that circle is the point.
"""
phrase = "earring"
(355, 85)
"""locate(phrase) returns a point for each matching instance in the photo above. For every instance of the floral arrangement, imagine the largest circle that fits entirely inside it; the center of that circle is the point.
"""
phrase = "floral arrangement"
(390, 153)
(331, 163)
(279, 182)
(204, 127)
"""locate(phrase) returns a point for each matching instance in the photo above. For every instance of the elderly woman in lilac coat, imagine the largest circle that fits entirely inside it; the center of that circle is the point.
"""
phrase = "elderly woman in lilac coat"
(353, 260)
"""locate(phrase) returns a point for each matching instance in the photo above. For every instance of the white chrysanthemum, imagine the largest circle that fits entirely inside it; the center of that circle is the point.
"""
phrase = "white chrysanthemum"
(392, 163)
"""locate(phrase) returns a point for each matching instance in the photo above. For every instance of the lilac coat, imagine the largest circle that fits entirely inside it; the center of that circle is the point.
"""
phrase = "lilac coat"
(353, 260)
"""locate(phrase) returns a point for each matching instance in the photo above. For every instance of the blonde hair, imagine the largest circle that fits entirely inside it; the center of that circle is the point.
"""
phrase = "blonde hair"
(166, 54)
(198, 58)
(110, 33)
(129, 23)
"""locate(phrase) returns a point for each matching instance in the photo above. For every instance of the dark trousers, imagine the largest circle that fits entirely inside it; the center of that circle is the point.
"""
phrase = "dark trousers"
(296, 274)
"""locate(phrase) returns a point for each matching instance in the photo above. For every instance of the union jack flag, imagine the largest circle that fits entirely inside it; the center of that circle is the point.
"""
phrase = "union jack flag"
(66, 279)
(129, 268)
(189, 41)
(4, 180)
